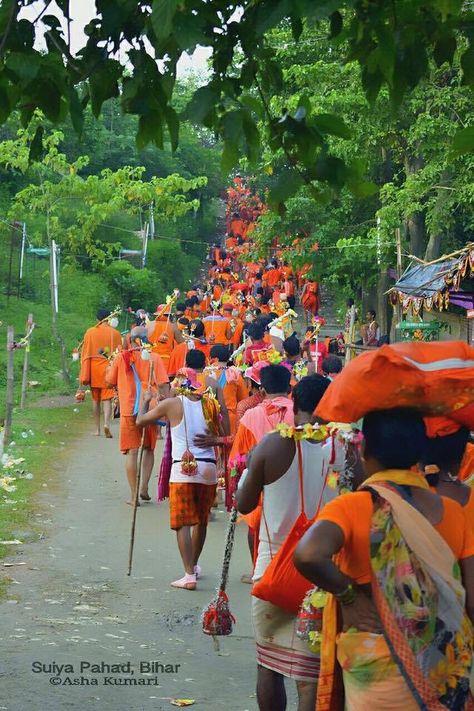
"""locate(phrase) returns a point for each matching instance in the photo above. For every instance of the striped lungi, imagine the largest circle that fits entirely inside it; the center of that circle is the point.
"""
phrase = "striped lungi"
(278, 647)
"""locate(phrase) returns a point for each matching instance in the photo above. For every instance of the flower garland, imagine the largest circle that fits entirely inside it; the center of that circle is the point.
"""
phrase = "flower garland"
(320, 433)
(317, 433)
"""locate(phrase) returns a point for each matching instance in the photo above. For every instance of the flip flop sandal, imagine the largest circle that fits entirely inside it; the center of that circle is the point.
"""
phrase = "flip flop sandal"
(187, 582)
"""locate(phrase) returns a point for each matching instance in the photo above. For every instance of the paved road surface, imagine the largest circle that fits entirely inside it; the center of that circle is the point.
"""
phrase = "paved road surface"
(75, 603)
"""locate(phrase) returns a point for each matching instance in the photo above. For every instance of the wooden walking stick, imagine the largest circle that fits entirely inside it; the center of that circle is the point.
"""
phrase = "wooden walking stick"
(137, 486)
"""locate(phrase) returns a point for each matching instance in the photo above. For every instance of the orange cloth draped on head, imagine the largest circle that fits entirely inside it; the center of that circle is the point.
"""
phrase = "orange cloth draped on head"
(444, 426)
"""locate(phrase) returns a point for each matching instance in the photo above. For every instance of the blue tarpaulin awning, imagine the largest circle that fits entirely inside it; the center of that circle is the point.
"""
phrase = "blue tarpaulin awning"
(436, 284)
(425, 280)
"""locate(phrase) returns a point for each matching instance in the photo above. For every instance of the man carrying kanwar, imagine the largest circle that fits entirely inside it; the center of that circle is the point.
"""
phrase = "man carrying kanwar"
(284, 475)
(230, 379)
(275, 408)
(193, 480)
(130, 373)
(164, 334)
(100, 342)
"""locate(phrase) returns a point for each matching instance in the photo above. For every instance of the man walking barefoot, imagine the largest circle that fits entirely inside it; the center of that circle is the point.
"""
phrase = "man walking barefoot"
(274, 471)
(99, 344)
(130, 373)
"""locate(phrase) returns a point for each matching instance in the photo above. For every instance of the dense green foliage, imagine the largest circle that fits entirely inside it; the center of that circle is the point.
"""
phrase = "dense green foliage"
(423, 186)
(93, 195)
(393, 43)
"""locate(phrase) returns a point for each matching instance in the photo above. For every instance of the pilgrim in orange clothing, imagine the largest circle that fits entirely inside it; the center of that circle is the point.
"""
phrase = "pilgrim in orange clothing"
(131, 374)
(353, 514)
(100, 342)
(230, 380)
(273, 276)
(442, 461)
(177, 358)
(310, 298)
(216, 328)
(164, 334)
(237, 226)
(466, 471)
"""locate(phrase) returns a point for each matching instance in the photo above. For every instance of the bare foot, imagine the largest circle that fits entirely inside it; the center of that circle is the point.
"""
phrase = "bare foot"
(95, 434)
(145, 496)
(107, 432)
(132, 503)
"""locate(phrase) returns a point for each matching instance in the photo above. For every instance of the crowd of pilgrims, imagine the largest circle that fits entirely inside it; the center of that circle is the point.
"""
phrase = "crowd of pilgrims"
(354, 479)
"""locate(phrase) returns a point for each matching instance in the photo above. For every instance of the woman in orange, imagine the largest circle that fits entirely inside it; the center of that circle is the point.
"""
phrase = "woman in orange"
(442, 459)
(397, 618)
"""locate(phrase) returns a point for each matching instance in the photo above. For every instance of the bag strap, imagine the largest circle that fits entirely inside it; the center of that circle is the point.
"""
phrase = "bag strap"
(300, 475)
(266, 528)
(300, 472)
(184, 420)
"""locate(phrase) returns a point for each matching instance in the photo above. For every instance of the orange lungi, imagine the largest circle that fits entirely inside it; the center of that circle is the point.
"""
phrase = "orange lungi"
(100, 394)
(190, 503)
(131, 435)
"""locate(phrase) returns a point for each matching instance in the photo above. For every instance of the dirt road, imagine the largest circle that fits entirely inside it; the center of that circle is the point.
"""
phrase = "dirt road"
(76, 606)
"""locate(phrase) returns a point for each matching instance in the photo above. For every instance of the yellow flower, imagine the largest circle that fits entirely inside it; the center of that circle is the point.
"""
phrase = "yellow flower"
(332, 480)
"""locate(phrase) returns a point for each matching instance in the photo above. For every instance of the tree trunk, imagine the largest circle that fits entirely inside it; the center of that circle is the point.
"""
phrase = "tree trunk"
(433, 250)
(417, 233)
(384, 309)
(439, 217)
(416, 221)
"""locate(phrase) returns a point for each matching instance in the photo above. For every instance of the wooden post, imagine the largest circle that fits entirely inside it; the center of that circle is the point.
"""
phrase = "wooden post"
(26, 359)
(351, 333)
(398, 238)
(10, 376)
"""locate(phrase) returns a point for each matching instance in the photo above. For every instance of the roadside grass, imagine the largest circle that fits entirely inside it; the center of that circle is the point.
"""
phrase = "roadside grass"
(41, 436)
(45, 364)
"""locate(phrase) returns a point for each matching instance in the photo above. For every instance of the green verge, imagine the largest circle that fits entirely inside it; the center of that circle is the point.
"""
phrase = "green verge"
(45, 452)
(45, 363)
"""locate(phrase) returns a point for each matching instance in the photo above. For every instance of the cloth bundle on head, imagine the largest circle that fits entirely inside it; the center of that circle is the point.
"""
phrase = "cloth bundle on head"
(435, 378)
(186, 377)
(162, 310)
(441, 426)
(254, 372)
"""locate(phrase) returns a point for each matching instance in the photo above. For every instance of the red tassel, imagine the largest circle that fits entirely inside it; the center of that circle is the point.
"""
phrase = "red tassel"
(217, 619)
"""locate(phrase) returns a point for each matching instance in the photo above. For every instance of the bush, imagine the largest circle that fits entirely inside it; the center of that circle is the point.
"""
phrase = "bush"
(127, 286)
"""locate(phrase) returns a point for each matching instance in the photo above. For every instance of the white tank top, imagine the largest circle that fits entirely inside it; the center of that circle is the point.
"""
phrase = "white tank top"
(195, 424)
(282, 501)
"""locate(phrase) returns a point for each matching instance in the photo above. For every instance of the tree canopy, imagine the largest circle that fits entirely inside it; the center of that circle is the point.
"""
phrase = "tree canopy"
(393, 42)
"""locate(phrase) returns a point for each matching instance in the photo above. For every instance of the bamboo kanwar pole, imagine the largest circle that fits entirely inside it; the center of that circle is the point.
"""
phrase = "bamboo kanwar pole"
(137, 486)
(10, 383)
(26, 362)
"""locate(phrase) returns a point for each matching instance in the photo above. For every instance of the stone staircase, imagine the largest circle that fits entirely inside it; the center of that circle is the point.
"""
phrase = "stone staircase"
(327, 311)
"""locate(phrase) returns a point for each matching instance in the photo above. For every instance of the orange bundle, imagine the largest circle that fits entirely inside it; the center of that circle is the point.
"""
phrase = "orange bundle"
(435, 378)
